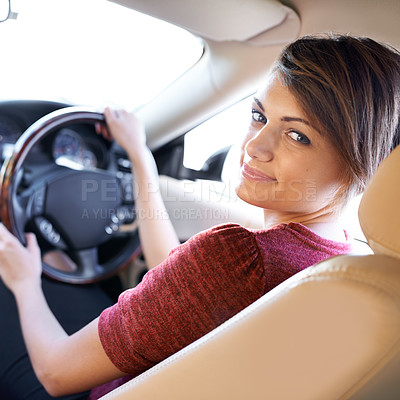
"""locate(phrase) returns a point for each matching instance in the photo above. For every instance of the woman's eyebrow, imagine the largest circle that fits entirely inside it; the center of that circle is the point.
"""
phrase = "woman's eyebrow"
(304, 121)
(258, 102)
(296, 119)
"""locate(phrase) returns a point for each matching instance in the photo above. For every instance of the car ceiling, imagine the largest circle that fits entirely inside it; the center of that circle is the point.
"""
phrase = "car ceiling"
(241, 39)
(216, 20)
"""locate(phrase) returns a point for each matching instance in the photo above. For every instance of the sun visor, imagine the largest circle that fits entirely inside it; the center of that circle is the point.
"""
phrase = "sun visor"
(222, 20)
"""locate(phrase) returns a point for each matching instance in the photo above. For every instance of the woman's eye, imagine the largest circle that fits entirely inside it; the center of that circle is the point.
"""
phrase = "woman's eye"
(299, 137)
(258, 117)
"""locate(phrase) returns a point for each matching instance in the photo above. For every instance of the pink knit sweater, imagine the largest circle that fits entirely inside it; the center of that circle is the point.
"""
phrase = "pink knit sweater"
(203, 283)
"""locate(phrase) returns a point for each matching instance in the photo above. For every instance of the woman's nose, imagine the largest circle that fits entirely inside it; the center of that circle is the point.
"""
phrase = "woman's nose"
(262, 145)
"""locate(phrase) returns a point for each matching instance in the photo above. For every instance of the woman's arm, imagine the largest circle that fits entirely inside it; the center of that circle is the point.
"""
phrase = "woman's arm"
(63, 364)
(157, 234)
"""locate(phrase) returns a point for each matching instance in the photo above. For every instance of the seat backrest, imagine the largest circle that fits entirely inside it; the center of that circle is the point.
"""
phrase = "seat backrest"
(331, 331)
(379, 211)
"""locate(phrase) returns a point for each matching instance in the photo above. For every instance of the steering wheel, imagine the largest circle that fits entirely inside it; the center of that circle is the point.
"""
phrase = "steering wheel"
(83, 218)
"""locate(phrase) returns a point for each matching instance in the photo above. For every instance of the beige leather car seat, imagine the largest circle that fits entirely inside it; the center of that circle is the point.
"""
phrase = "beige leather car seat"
(329, 332)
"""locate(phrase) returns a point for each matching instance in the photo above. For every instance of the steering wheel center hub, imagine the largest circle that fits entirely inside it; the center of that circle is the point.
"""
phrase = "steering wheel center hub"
(81, 205)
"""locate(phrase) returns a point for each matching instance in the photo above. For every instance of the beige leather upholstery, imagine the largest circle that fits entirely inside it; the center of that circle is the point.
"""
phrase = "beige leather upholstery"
(379, 211)
(329, 332)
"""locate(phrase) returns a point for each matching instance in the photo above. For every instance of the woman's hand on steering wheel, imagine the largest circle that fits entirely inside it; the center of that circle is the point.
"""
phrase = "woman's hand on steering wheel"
(19, 266)
(126, 129)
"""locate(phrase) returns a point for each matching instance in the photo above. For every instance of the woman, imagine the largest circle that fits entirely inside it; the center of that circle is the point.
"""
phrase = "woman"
(326, 117)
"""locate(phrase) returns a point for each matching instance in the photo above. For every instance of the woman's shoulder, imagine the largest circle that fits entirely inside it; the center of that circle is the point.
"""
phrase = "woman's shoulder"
(220, 244)
(229, 233)
(241, 238)
(227, 230)
(294, 235)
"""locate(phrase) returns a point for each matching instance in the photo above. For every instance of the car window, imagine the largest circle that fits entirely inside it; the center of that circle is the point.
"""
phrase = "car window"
(76, 51)
(224, 129)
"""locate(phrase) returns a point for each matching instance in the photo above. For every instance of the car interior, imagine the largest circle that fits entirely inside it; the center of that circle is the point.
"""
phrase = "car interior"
(329, 332)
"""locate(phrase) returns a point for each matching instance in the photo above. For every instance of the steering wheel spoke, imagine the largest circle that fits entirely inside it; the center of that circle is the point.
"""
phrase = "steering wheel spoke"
(87, 261)
(20, 204)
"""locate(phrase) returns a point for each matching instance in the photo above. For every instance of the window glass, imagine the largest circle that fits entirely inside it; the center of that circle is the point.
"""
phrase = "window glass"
(225, 129)
(91, 52)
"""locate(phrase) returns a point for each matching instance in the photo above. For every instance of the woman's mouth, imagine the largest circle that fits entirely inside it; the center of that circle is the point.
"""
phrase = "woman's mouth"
(255, 175)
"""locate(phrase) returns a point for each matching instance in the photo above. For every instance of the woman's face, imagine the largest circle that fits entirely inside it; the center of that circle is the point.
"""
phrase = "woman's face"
(286, 165)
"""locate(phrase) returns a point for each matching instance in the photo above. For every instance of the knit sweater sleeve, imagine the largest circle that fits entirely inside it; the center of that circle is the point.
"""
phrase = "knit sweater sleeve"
(203, 283)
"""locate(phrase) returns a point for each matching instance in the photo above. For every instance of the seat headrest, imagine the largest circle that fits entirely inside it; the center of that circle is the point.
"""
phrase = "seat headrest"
(379, 211)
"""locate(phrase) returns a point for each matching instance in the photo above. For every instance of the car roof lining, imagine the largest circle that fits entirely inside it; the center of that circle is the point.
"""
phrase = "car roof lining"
(221, 20)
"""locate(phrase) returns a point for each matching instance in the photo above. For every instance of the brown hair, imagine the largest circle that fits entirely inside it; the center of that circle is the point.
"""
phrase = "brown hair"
(349, 87)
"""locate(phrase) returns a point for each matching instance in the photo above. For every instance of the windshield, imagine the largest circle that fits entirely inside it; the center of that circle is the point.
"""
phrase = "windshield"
(90, 52)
